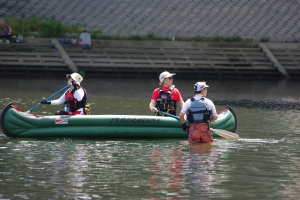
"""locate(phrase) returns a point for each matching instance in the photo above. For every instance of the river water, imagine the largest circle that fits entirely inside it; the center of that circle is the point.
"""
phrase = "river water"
(262, 164)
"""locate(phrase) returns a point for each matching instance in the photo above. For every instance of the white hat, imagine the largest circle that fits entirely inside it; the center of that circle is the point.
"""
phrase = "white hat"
(76, 77)
(165, 75)
(200, 86)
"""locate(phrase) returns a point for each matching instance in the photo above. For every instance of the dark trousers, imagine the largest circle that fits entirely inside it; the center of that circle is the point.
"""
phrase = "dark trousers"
(8, 37)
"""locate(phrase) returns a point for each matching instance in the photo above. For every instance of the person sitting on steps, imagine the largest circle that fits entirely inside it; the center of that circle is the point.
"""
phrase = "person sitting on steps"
(85, 40)
(5, 31)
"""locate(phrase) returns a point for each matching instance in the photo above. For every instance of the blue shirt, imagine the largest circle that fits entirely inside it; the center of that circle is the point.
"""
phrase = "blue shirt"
(85, 38)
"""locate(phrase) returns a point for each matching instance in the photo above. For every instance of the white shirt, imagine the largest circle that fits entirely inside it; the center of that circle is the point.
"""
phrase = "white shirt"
(209, 104)
(78, 94)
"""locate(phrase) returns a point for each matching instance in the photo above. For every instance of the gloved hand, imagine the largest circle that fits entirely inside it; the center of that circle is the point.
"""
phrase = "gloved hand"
(75, 85)
(45, 102)
(185, 127)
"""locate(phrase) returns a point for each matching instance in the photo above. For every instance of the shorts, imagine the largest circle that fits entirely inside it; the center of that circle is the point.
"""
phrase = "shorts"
(87, 46)
(200, 133)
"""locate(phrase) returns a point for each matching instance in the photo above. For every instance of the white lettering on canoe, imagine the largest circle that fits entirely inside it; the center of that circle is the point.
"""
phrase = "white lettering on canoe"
(134, 120)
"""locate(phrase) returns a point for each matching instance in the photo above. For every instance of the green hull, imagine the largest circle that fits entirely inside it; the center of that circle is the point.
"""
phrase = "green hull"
(16, 123)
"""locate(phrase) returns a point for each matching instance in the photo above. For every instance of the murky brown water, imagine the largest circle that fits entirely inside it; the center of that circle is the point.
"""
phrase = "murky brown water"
(262, 164)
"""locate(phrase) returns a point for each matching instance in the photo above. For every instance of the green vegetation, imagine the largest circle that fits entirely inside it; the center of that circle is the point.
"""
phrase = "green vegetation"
(96, 34)
(44, 28)
(50, 28)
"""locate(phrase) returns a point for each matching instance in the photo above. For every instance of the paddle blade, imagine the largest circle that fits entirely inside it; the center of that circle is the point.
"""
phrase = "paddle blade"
(226, 134)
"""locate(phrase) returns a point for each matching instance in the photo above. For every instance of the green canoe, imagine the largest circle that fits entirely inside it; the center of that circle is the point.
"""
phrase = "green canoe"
(17, 123)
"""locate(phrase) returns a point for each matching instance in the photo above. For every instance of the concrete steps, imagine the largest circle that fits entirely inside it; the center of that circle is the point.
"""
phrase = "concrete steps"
(130, 59)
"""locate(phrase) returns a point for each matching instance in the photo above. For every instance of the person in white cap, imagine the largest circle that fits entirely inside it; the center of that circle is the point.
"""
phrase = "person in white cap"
(201, 111)
(74, 97)
(165, 97)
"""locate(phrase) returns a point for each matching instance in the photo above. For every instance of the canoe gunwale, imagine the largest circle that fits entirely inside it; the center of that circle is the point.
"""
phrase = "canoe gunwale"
(5, 109)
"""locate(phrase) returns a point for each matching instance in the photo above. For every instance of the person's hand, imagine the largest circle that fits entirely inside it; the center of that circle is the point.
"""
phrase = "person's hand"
(75, 85)
(153, 109)
(185, 127)
(45, 102)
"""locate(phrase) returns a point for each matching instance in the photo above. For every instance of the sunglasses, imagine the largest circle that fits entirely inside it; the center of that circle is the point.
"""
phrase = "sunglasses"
(170, 78)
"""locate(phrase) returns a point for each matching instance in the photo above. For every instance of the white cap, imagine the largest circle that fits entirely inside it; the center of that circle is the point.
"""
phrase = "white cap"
(165, 75)
(76, 77)
(200, 86)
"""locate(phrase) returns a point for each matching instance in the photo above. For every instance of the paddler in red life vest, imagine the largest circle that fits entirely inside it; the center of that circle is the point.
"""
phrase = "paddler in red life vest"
(201, 111)
(74, 98)
(165, 97)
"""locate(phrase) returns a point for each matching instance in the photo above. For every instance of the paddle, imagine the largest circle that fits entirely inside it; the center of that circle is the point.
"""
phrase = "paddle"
(49, 98)
(223, 133)
(226, 134)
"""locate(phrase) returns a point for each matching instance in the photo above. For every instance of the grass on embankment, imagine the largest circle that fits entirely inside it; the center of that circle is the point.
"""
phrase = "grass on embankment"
(47, 28)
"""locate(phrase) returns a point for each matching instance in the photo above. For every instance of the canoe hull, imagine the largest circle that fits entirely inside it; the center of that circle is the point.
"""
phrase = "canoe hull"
(16, 123)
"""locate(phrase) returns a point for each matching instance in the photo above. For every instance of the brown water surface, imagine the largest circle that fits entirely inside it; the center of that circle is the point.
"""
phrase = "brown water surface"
(262, 164)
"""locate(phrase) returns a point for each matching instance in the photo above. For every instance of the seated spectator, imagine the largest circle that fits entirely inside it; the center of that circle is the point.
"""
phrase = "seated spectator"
(5, 30)
(85, 40)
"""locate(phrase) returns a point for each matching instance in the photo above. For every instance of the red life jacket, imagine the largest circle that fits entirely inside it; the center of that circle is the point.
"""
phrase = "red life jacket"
(73, 104)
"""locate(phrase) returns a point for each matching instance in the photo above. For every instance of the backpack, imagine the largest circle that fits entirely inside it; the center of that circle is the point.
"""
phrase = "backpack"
(198, 111)
(19, 38)
(65, 41)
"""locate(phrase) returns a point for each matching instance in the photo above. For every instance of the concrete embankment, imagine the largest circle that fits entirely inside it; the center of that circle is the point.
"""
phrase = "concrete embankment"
(129, 59)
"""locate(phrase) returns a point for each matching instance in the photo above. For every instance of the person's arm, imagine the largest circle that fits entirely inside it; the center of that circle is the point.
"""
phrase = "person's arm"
(185, 107)
(181, 104)
(182, 115)
(178, 97)
(61, 100)
(79, 94)
(152, 106)
(213, 118)
(184, 124)
(214, 114)
(182, 118)
(153, 100)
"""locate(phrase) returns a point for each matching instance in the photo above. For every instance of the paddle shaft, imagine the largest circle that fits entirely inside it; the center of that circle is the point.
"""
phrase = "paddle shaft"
(167, 114)
(49, 98)
(223, 133)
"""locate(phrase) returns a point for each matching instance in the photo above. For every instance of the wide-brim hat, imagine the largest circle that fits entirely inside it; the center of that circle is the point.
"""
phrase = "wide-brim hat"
(76, 77)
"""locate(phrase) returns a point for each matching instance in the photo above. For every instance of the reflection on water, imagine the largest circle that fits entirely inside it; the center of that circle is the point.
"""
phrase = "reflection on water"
(262, 164)
(76, 169)
(167, 174)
